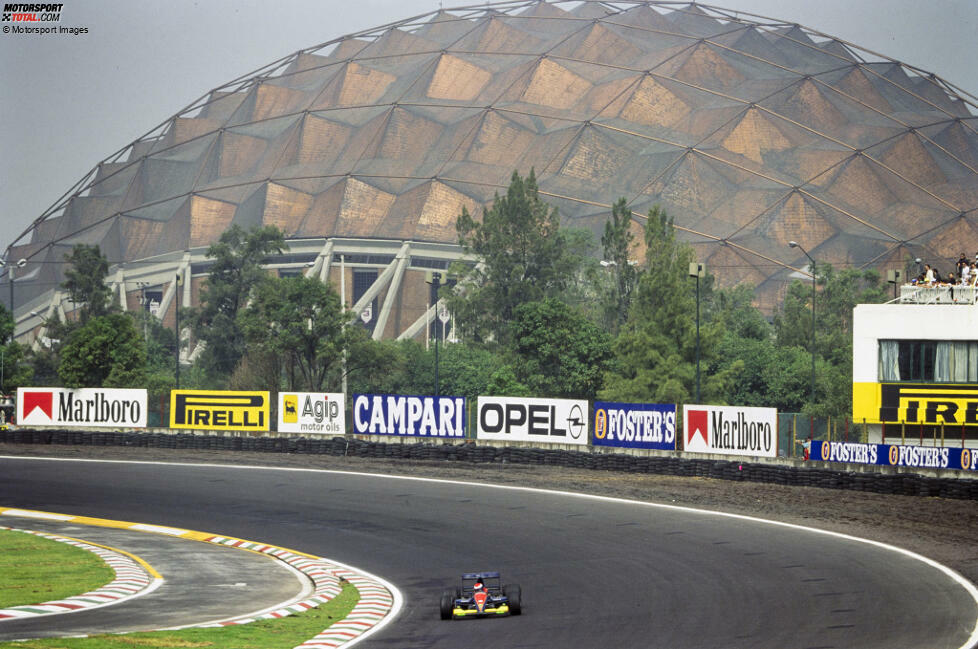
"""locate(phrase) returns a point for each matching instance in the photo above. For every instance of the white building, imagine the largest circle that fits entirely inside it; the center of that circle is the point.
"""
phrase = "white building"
(915, 367)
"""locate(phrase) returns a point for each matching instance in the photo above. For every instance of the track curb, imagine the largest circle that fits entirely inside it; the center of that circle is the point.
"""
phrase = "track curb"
(377, 599)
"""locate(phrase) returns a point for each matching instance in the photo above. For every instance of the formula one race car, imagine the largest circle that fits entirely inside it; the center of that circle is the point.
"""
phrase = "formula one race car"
(480, 595)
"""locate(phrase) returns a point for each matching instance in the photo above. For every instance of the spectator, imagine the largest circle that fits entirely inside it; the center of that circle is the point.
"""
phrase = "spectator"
(928, 274)
(962, 263)
(966, 274)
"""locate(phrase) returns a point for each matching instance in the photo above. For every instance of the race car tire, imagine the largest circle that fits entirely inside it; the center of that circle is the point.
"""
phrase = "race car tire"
(515, 595)
(447, 604)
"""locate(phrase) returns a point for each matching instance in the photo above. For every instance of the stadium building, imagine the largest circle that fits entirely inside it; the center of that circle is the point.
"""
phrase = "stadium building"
(752, 132)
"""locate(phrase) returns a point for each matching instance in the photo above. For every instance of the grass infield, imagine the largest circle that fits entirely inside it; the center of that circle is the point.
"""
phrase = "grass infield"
(34, 570)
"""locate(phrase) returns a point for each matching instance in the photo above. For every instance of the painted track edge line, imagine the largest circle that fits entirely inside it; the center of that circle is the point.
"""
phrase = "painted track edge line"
(105, 595)
(970, 643)
(323, 573)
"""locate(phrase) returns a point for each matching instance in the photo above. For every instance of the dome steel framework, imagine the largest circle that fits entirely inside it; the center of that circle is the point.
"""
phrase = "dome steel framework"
(749, 131)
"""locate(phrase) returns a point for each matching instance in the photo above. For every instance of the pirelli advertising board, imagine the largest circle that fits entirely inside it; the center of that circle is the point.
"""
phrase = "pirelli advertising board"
(915, 403)
(219, 410)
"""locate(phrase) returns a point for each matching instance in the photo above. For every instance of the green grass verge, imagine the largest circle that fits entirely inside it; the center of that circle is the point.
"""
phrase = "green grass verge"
(283, 633)
(35, 570)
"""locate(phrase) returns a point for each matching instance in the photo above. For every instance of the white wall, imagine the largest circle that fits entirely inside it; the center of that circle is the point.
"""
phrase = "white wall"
(873, 322)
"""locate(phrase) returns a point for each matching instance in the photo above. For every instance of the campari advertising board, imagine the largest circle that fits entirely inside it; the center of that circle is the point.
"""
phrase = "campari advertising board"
(408, 416)
(731, 430)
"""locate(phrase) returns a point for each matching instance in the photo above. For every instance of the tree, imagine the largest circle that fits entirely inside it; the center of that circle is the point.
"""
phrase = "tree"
(107, 351)
(16, 372)
(523, 255)
(617, 243)
(655, 351)
(558, 352)
(840, 292)
(85, 281)
(236, 271)
(300, 322)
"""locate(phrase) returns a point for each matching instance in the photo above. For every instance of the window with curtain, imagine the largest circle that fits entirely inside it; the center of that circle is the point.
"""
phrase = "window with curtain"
(928, 360)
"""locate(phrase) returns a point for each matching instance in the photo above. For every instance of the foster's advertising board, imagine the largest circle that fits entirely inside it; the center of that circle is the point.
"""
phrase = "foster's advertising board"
(635, 425)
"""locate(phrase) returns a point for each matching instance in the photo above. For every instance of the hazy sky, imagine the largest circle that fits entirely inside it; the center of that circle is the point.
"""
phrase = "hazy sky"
(68, 101)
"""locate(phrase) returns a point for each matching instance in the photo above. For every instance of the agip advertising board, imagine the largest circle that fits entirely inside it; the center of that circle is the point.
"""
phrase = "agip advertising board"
(518, 419)
(320, 413)
(82, 407)
(635, 425)
(408, 416)
(731, 430)
(219, 410)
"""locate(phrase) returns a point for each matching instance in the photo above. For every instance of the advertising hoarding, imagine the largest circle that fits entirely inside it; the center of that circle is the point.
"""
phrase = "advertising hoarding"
(521, 419)
(635, 425)
(918, 457)
(320, 413)
(731, 430)
(912, 403)
(124, 407)
(219, 410)
(408, 416)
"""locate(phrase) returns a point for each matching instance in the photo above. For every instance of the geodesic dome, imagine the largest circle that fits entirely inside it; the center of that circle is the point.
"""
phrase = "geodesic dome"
(749, 131)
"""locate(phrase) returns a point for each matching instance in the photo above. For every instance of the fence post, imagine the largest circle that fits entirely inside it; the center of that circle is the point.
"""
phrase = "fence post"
(847, 429)
(882, 431)
(921, 433)
(942, 435)
(903, 433)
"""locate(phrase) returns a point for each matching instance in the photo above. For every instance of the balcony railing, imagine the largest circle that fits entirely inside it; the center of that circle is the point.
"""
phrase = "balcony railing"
(940, 294)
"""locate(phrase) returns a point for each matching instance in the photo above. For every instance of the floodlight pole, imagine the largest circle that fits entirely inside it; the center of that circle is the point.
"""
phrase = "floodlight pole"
(793, 244)
(178, 285)
(697, 270)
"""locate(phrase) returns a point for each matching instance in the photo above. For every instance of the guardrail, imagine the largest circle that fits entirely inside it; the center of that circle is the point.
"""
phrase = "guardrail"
(885, 480)
(941, 294)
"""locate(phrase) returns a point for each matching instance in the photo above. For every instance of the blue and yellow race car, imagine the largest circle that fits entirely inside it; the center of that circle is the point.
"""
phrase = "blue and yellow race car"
(480, 595)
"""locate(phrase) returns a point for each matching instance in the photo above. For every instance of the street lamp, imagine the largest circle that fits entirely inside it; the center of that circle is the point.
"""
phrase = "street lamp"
(176, 321)
(10, 278)
(435, 280)
(697, 270)
(794, 244)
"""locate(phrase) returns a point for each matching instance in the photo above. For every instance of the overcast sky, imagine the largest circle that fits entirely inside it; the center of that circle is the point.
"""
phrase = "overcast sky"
(67, 102)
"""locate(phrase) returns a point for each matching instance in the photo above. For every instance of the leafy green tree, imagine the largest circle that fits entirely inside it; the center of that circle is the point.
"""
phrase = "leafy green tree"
(617, 243)
(656, 349)
(85, 281)
(840, 292)
(106, 351)
(299, 321)
(16, 371)
(523, 255)
(236, 271)
(558, 352)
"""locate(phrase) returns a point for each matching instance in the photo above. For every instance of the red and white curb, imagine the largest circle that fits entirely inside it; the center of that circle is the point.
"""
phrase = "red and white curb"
(131, 580)
(379, 600)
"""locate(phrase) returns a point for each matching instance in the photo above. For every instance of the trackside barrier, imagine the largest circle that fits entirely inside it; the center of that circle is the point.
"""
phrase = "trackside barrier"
(885, 480)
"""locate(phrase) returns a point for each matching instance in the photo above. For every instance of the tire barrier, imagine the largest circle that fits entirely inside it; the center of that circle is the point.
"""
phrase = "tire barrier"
(906, 484)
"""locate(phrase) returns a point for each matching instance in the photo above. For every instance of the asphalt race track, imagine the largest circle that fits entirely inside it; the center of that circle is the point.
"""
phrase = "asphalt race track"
(594, 573)
(203, 583)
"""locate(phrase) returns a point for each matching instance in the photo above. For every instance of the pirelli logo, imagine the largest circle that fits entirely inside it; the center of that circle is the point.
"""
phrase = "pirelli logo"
(219, 410)
(924, 403)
